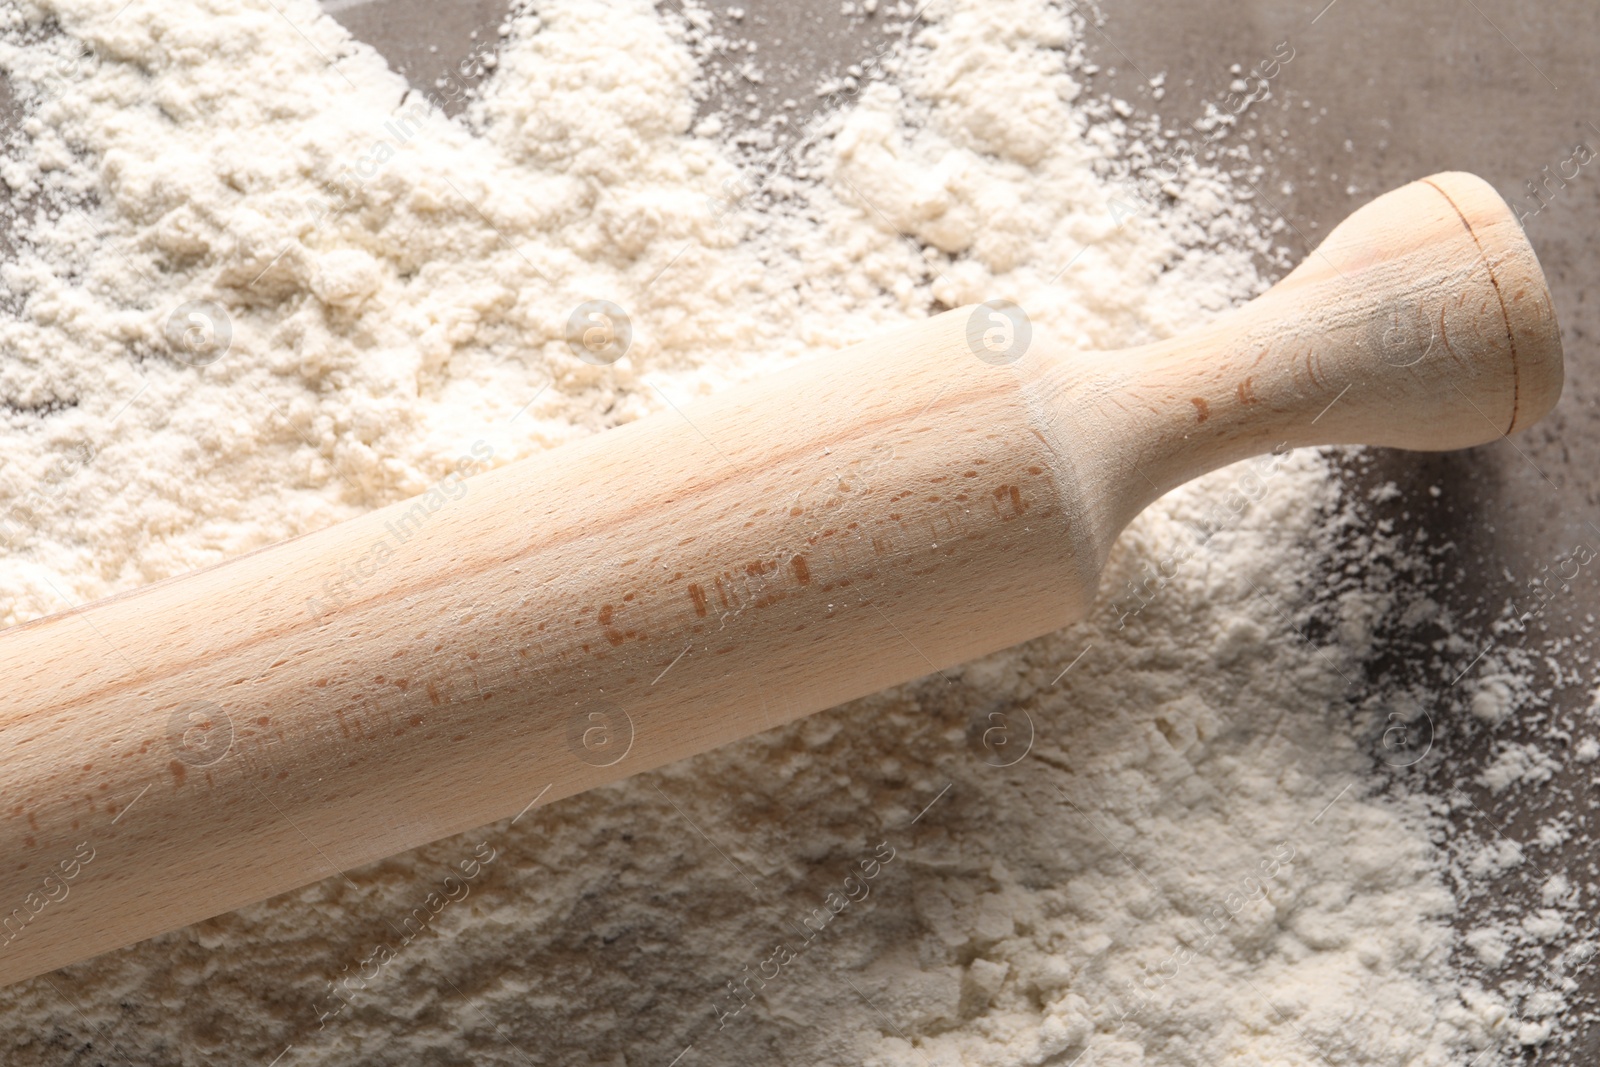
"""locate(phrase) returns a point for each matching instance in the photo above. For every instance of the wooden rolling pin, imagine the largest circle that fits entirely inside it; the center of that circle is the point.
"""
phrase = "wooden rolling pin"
(697, 576)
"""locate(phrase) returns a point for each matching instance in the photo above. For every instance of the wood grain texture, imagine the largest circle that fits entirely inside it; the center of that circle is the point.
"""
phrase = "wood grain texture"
(869, 517)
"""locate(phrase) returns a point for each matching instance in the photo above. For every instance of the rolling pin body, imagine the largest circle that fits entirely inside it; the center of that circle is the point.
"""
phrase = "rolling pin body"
(652, 592)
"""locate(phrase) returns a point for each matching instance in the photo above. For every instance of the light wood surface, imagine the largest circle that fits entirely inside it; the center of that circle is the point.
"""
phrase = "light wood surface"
(696, 577)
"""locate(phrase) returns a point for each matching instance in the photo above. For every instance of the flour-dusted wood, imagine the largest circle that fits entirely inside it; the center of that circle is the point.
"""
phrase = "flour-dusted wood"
(869, 517)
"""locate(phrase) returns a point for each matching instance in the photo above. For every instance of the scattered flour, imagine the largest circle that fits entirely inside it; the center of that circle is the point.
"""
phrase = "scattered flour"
(1178, 851)
(1518, 763)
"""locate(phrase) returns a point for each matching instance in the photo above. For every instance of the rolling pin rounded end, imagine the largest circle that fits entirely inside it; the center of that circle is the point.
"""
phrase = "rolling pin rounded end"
(1430, 303)
(1421, 322)
(1532, 336)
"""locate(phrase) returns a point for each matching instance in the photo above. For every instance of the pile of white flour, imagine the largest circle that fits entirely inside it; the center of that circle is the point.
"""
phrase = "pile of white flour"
(1193, 863)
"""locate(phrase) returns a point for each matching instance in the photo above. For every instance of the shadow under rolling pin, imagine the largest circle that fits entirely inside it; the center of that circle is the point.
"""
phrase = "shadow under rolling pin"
(640, 596)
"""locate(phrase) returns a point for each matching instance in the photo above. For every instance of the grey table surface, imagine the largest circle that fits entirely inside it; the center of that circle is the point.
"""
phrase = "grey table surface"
(1397, 90)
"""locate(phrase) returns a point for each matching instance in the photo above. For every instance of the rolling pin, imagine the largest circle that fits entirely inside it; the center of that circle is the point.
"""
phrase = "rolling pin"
(649, 593)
